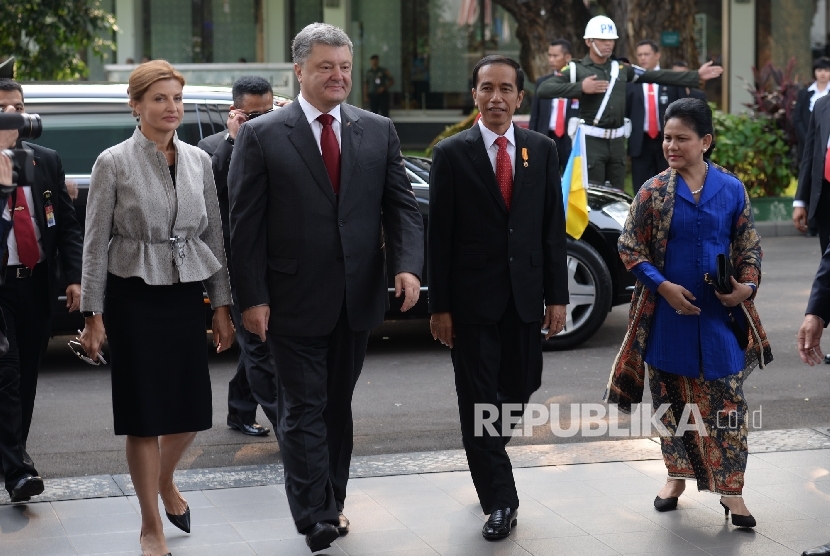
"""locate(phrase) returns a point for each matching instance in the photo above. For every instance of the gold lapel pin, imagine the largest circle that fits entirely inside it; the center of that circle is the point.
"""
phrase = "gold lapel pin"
(524, 156)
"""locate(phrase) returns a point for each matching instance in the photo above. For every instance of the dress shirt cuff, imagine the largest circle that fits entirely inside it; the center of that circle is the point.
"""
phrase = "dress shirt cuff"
(648, 274)
(797, 204)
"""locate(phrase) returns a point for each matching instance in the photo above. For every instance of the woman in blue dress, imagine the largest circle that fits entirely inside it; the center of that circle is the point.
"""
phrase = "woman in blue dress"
(699, 344)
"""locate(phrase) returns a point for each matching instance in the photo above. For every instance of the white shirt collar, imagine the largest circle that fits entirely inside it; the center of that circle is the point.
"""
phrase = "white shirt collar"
(311, 113)
(490, 137)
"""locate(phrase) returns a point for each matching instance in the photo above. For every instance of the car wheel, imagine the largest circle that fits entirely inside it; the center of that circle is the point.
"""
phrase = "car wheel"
(589, 285)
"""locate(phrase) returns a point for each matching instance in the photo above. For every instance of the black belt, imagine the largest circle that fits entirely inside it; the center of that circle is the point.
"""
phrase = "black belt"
(18, 271)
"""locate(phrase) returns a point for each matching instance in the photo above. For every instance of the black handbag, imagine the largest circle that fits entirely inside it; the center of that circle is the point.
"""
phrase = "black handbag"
(722, 282)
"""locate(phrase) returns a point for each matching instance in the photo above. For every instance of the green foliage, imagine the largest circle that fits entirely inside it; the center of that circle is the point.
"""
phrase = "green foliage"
(47, 37)
(451, 130)
(754, 148)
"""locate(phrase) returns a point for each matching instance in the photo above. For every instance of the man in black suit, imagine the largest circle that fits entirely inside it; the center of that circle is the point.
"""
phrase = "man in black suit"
(45, 235)
(688, 92)
(319, 199)
(497, 256)
(809, 338)
(806, 99)
(812, 198)
(549, 116)
(645, 105)
(255, 381)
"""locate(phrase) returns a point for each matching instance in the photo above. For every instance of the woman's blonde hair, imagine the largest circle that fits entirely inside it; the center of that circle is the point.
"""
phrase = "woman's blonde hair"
(148, 73)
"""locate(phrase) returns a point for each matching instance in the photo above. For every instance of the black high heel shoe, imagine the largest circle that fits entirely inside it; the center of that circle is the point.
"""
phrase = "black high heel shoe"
(181, 521)
(739, 520)
(665, 504)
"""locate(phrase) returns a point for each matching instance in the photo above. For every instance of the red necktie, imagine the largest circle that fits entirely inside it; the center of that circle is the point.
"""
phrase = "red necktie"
(559, 130)
(652, 112)
(504, 171)
(331, 151)
(24, 231)
(826, 168)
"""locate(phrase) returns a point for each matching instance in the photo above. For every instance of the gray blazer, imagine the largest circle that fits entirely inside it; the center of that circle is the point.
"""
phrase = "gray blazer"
(134, 209)
(297, 247)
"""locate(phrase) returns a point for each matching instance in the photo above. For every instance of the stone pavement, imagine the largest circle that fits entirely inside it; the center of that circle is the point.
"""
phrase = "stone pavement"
(583, 498)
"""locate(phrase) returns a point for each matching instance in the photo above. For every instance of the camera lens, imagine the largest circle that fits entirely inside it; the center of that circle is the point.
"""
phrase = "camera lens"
(32, 126)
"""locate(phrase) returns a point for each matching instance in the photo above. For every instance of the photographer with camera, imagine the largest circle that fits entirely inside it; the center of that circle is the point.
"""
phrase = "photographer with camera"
(45, 234)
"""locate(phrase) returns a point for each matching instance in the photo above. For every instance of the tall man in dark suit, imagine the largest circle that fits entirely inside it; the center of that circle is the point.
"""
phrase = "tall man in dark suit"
(45, 234)
(645, 105)
(319, 198)
(549, 116)
(812, 198)
(255, 381)
(497, 256)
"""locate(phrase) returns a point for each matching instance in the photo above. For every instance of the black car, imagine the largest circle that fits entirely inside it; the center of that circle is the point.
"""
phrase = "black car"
(81, 120)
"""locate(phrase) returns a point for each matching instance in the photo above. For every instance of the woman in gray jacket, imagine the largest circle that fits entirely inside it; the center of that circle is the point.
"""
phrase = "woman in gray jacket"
(153, 238)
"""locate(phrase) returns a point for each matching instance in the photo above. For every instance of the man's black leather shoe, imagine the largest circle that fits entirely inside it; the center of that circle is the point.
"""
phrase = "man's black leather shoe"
(343, 526)
(823, 550)
(499, 524)
(320, 536)
(252, 429)
(26, 488)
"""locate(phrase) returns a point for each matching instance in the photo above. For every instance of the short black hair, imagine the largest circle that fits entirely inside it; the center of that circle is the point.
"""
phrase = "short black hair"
(821, 63)
(651, 43)
(680, 63)
(567, 48)
(249, 85)
(695, 114)
(7, 84)
(499, 59)
(374, 57)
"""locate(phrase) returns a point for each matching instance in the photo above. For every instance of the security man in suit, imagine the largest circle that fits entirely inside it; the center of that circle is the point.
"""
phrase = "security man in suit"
(319, 198)
(645, 105)
(255, 381)
(45, 238)
(604, 114)
(812, 198)
(550, 116)
(497, 255)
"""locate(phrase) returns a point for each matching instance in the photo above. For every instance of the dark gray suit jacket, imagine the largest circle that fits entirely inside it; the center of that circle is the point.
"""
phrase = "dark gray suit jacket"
(299, 248)
(220, 152)
(811, 171)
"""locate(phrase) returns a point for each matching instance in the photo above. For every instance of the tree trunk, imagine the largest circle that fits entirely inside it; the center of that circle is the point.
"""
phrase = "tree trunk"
(656, 16)
(541, 21)
(618, 11)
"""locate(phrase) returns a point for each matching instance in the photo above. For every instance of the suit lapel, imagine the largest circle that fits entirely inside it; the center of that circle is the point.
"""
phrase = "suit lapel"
(481, 162)
(520, 136)
(351, 134)
(825, 125)
(303, 140)
(37, 193)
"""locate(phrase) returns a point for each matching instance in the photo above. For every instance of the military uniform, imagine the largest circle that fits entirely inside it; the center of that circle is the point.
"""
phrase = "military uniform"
(377, 79)
(604, 140)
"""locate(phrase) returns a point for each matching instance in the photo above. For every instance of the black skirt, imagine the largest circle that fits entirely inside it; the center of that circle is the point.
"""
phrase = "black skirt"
(159, 359)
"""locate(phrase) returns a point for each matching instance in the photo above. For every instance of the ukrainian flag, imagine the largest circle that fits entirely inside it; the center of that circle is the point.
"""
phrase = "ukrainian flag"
(574, 182)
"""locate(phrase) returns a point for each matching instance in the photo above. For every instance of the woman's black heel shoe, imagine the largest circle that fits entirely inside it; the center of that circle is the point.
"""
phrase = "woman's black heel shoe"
(739, 520)
(180, 521)
(665, 504)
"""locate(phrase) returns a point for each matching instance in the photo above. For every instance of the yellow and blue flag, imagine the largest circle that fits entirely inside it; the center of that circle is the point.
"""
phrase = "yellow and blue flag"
(574, 183)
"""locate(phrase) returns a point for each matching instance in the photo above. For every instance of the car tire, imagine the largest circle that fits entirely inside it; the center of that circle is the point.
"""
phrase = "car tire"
(590, 287)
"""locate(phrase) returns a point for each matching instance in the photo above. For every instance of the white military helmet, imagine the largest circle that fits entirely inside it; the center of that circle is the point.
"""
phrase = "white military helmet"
(600, 27)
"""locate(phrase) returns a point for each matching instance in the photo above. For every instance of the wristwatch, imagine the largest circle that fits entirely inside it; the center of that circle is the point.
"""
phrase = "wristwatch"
(228, 138)
(88, 314)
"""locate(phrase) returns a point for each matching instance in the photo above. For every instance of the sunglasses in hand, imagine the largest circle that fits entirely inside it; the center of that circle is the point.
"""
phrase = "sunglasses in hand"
(78, 350)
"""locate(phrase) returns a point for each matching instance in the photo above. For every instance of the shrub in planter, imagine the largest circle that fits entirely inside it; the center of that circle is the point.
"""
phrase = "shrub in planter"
(754, 148)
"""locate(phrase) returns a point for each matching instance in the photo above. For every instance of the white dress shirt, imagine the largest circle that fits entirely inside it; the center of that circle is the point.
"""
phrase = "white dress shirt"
(645, 87)
(490, 137)
(554, 112)
(311, 115)
(12, 242)
(816, 94)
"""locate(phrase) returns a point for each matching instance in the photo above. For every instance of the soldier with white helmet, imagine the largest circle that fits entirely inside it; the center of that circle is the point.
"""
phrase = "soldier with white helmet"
(599, 83)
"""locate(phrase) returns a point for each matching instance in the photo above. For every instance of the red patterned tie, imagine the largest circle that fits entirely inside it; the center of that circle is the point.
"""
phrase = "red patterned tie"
(652, 112)
(331, 151)
(826, 168)
(559, 130)
(24, 231)
(504, 171)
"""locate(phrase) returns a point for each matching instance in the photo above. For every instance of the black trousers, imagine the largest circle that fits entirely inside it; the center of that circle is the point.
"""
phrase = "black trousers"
(823, 216)
(255, 381)
(494, 364)
(650, 162)
(317, 378)
(379, 103)
(25, 306)
(563, 148)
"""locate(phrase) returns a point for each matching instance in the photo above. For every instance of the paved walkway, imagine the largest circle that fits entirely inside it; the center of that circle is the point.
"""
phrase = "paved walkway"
(588, 498)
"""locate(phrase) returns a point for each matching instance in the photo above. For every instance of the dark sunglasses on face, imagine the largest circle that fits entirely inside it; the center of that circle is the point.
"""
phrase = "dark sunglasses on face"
(251, 115)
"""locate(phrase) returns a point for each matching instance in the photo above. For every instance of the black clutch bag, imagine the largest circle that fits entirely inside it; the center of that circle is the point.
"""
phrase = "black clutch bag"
(723, 276)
